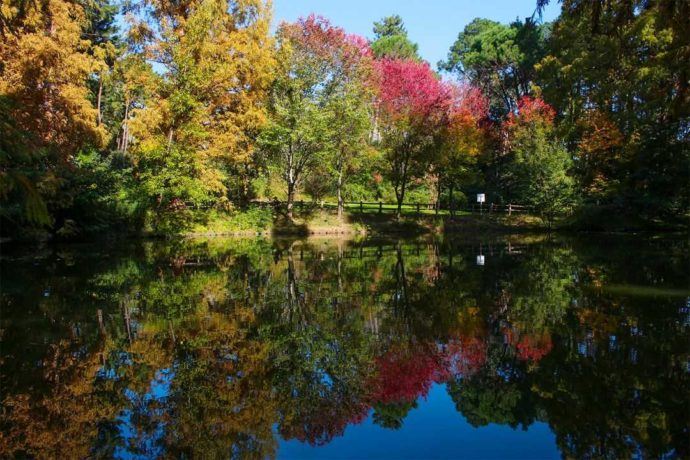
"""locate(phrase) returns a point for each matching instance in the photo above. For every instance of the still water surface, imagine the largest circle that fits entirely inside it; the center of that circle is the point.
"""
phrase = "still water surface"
(234, 348)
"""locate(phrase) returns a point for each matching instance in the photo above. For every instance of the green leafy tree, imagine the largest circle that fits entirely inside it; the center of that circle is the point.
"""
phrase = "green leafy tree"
(617, 72)
(499, 59)
(538, 172)
(320, 103)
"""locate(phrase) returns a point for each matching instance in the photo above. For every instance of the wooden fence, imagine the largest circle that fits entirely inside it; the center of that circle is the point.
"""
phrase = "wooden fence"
(381, 207)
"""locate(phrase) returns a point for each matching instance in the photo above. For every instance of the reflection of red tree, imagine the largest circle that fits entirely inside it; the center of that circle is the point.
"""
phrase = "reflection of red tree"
(405, 375)
(534, 348)
(529, 347)
(465, 356)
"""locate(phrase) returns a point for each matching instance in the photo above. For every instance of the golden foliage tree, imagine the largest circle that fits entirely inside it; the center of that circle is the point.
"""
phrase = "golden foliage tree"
(216, 59)
(47, 113)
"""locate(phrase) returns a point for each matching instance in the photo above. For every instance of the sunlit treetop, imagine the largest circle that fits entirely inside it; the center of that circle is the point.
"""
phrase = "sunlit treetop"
(533, 110)
(391, 40)
(410, 89)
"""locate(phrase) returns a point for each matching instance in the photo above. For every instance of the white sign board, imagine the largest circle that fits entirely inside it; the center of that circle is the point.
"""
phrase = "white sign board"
(480, 260)
(481, 198)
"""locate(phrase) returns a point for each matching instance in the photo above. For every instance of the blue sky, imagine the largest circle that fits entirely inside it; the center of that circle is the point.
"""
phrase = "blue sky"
(433, 24)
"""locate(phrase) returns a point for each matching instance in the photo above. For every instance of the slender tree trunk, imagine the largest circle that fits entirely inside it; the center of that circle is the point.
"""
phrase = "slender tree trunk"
(400, 193)
(341, 204)
(438, 195)
(402, 182)
(290, 198)
(399, 196)
(125, 129)
(291, 179)
(450, 198)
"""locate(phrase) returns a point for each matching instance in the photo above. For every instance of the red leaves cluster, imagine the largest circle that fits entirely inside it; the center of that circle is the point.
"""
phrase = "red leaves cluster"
(328, 42)
(404, 376)
(530, 347)
(410, 92)
(532, 110)
(468, 101)
(533, 348)
(409, 89)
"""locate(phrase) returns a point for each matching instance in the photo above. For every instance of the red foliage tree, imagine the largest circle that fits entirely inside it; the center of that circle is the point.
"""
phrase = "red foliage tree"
(413, 105)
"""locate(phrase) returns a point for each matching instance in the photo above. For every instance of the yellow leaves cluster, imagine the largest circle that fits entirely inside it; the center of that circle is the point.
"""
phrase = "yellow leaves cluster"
(45, 67)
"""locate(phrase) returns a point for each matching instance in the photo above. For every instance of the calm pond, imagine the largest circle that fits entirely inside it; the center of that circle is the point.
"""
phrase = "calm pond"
(520, 347)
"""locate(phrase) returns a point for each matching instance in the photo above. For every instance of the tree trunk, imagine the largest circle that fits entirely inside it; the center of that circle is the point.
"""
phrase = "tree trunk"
(125, 129)
(438, 195)
(450, 198)
(399, 199)
(341, 204)
(290, 199)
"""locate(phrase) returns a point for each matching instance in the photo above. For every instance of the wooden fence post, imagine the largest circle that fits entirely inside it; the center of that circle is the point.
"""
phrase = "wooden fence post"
(361, 206)
(510, 209)
(417, 208)
(380, 207)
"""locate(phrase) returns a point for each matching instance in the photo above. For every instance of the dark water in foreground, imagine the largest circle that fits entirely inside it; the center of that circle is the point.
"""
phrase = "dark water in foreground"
(326, 349)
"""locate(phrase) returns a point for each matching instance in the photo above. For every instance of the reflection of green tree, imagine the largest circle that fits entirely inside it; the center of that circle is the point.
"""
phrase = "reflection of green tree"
(391, 415)
(614, 393)
(320, 352)
(541, 288)
(485, 399)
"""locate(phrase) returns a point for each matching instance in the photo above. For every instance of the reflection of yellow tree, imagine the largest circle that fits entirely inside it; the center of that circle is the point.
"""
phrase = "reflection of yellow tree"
(64, 422)
(218, 399)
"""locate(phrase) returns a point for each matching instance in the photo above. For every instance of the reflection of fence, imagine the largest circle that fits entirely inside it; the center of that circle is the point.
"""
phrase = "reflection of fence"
(367, 250)
(380, 207)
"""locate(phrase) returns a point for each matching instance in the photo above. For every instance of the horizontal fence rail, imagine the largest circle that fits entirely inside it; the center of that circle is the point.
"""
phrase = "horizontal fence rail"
(381, 207)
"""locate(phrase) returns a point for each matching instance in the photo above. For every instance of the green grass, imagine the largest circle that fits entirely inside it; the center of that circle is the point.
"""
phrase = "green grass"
(317, 220)
(254, 219)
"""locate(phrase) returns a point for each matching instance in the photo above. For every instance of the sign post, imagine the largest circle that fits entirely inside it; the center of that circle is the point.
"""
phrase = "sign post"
(481, 198)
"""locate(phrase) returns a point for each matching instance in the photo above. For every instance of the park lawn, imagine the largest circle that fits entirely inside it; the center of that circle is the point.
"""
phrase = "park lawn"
(311, 220)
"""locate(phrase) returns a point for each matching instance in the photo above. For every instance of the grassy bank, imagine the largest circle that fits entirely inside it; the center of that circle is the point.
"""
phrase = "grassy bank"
(365, 220)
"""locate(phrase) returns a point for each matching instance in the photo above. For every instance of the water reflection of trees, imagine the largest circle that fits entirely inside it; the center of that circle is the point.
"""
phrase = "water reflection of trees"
(201, 349)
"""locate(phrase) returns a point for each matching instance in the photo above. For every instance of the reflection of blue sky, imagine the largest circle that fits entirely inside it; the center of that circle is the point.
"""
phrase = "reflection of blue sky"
(434, 430)
(145, 445)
